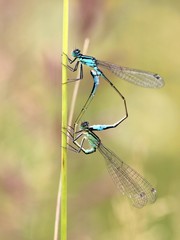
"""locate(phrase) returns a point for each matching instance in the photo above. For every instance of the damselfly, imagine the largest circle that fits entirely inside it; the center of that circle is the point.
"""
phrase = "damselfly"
(130, 183)
(138, 77)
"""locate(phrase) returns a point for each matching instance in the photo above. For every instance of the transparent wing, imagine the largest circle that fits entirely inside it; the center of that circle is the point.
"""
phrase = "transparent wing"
(138, 77)
(129, 182)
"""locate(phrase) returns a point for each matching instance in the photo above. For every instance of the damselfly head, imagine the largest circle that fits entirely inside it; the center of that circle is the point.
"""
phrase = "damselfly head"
(76, 52)
(84, 125)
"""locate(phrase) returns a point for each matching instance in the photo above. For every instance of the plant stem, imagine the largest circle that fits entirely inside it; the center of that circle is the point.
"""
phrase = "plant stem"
(62, 193)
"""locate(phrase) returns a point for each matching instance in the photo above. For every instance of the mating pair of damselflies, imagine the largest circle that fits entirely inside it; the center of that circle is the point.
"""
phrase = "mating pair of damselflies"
(129, 182)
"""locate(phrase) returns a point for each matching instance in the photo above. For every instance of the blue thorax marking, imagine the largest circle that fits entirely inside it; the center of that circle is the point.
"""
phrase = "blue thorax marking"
(87, 60)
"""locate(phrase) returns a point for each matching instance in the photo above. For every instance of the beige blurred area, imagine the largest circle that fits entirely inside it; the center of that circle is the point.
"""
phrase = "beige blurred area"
(139, 34)
(30, 48)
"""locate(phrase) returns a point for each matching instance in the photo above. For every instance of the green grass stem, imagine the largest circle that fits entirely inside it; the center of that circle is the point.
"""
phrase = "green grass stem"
(61, 208)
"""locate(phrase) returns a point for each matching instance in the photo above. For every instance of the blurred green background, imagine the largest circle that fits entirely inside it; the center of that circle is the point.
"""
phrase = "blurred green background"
(139, 34)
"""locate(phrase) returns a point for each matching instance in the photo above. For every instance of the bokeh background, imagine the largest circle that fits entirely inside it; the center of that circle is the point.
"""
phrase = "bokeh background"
(139, 34)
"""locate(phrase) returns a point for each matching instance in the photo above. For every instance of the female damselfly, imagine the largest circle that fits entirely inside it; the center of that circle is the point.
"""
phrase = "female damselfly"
(130, 183)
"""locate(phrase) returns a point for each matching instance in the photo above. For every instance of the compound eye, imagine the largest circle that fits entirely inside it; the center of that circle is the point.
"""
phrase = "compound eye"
(75, 52)
(84, 124)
